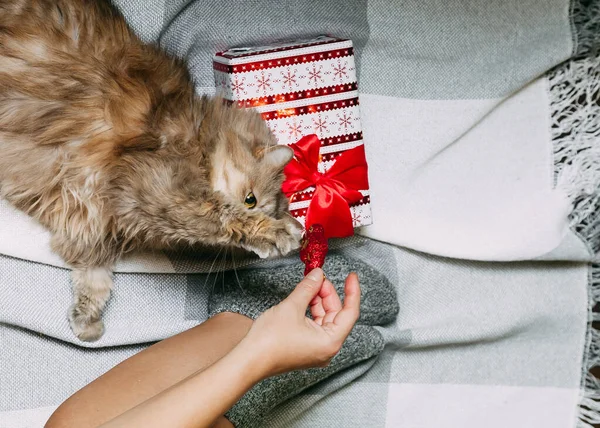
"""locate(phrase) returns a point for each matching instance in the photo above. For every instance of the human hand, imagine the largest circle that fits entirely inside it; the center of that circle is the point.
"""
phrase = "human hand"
(283, 338)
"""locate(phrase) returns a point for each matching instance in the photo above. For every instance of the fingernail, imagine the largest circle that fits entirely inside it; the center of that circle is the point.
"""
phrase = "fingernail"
(315, 274)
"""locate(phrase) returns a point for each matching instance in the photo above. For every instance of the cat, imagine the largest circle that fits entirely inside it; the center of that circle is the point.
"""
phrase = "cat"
(105, 143)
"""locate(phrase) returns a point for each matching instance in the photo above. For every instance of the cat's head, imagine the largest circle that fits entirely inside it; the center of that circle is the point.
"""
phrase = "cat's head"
(246, 164)
(166, 178)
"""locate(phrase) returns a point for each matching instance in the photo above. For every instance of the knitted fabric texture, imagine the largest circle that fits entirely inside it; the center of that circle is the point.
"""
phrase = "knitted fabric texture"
(363, 343)
(252, 292)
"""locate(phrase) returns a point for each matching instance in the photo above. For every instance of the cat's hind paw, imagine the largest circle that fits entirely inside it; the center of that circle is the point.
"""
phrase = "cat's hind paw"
(91, 290)
(83, 327)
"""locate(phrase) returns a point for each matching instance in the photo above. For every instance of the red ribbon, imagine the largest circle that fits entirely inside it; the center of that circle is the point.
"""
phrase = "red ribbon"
(335, 190)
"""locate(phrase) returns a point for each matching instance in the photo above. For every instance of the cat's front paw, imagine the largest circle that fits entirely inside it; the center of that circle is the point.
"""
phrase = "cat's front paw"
(294, 228)
(282, 237)
(290, 240)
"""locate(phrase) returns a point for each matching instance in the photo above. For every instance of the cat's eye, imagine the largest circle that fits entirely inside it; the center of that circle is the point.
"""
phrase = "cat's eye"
(250, 200)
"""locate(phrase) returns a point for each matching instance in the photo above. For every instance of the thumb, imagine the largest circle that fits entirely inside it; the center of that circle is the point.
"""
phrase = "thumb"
(307, 289)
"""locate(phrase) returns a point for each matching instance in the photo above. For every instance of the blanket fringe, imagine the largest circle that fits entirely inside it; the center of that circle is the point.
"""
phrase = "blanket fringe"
(575, 90)
(586, 25)
(589, 404)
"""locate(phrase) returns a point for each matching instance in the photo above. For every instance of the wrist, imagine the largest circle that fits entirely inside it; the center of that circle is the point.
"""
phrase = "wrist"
(257, 360)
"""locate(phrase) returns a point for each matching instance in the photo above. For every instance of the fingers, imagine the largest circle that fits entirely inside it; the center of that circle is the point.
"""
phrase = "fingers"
(306, 290)
(347, 317)
(331, 301)
(316, 310)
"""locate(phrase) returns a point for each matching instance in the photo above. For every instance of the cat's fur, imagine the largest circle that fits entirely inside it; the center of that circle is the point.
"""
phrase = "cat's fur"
(104, 142)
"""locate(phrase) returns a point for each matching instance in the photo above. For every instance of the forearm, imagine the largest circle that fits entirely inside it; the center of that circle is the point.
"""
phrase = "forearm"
(200, 399)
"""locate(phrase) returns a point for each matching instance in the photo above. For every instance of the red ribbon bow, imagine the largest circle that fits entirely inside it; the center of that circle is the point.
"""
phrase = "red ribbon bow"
(335, 190)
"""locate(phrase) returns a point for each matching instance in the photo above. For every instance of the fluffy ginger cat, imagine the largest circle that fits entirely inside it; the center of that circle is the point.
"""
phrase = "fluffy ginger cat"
(104, 142)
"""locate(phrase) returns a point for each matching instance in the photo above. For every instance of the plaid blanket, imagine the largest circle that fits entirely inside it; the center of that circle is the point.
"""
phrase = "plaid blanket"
(475, 344)
(482, 124)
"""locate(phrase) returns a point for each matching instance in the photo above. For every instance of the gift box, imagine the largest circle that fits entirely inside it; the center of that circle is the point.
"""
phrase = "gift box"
(303, 88)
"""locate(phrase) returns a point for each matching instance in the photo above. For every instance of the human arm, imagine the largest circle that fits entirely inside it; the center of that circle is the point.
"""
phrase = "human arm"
(280, 340)
(201, 398)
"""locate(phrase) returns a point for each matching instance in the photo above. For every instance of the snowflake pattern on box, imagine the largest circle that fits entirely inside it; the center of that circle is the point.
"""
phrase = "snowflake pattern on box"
(295, 128)
(290, 78)
(315, 74)
(263, 82)
(339, 70)
(285, 78)
(238, 86)
(345, 122)
(326, 124)
(320, 125)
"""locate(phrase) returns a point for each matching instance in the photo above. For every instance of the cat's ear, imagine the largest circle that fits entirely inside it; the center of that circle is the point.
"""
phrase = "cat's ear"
(277, 157)
(142, 143)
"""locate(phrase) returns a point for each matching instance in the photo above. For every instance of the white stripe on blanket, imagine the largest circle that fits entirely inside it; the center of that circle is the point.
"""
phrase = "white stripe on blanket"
(466, 179)
(470, 406)
(27, 418)
(463, 406)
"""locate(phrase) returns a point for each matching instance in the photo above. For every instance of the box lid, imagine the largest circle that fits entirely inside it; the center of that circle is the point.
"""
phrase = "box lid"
(241, 55)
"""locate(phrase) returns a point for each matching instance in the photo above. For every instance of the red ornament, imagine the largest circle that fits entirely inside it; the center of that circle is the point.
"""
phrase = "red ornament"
(314, 248)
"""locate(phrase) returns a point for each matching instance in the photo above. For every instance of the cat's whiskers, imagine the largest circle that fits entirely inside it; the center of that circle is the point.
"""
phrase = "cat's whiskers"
(215, 281)
(223, 272)
(218, 272)
(211, 268)
(237, 278)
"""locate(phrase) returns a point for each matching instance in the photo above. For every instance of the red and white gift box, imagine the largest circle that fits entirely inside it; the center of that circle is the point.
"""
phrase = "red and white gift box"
(300, 87)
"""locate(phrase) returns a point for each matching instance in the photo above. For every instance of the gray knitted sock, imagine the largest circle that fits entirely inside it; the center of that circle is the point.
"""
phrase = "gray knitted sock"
(251, 292)
(363, 343)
